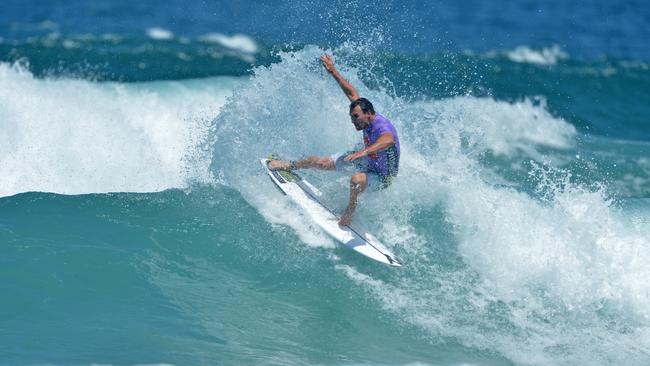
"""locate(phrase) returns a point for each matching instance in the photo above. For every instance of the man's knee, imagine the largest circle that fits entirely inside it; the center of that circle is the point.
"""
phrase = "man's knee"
(359, 180)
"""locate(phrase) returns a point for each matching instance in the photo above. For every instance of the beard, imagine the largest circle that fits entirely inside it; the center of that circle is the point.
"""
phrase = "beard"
(359, 126)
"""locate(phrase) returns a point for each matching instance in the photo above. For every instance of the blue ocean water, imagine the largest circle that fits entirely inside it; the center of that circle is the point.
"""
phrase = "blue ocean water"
(137, 228)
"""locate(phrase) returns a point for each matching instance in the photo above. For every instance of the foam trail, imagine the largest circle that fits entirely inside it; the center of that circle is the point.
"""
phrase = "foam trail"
(75, 136)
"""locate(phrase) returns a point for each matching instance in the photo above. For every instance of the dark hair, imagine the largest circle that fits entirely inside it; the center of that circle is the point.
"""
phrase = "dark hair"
(366, 106)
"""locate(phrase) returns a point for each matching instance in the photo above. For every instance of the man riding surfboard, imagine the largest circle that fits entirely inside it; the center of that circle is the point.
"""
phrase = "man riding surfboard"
(374, 166)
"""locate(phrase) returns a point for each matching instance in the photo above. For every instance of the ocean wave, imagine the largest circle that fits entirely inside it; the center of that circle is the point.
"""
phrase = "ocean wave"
(126, 58)
(159, 33)
(239, 42)
(547, 276)
(541, 270)
(504, 128)
(547, 56)
(75, 136)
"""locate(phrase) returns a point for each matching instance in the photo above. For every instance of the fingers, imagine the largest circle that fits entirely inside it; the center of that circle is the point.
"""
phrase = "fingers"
(352, 157)
(327, 61)
(356, 155)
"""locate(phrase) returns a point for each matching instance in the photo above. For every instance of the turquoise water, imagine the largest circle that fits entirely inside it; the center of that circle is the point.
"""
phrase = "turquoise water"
(136, 226)
(186, 289)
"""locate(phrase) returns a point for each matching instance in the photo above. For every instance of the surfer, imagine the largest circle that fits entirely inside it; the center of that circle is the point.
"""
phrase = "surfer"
(374, 165)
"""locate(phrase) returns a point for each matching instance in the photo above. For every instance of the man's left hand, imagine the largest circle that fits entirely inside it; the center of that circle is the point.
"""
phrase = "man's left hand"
(356, 155)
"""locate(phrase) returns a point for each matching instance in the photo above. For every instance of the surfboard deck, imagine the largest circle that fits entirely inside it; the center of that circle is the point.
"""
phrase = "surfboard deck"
(308, 197)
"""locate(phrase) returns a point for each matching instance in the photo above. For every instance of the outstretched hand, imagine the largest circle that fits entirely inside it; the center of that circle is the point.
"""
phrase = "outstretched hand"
(328, 63)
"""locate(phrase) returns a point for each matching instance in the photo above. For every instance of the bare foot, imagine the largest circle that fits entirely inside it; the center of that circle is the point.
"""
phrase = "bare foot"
(346, 219)
(279, 165)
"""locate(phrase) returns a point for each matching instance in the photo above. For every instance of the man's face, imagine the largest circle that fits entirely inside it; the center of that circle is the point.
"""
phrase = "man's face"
(359, 119)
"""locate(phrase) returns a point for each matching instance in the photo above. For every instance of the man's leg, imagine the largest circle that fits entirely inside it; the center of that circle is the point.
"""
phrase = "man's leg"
(312, 162)
(358, 184)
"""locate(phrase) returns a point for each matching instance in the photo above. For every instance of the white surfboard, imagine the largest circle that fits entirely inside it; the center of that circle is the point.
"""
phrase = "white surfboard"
(307, 196)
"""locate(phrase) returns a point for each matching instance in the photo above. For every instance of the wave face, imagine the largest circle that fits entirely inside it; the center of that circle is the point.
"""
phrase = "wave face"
(136, 226)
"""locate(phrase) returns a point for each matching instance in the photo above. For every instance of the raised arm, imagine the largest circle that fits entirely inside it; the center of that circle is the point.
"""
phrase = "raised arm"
(348, 89)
